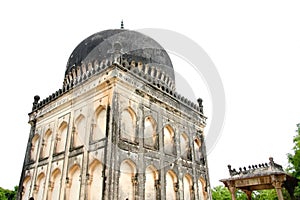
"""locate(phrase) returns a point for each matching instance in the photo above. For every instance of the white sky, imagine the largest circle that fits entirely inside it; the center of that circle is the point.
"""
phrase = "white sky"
(255, 46)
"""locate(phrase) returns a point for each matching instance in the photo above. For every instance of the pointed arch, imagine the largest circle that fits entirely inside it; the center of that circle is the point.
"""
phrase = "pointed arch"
(26, 188)
(95, 180)
(171, 185)
(46, 144)
(197, 148)
(201, 188)
(151, 175)
(169, 135)
(40, 186)
(34, 146)
(61, 137)
(99, 130)
(127, 180)
(184, 146)
(55, 183)
(74, 182)
(79, 137)
(150, 136)
(187, 187)
(128, 125)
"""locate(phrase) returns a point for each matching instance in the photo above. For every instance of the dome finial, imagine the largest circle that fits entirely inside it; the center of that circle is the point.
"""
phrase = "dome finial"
(122, 24)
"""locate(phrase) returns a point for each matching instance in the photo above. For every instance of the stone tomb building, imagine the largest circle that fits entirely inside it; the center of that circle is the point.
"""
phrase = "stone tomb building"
(116, 129)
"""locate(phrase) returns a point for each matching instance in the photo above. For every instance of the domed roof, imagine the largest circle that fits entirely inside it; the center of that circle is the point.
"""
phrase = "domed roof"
(130, 45)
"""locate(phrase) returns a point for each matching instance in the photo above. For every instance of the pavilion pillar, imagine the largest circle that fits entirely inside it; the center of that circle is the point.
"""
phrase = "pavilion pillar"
(232, 189)
(277, 184)
(248, 193)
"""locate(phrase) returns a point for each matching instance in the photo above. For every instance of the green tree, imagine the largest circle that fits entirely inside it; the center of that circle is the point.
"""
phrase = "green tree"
(222, 193)
(294, 160)
(6, 194)
(265, 194)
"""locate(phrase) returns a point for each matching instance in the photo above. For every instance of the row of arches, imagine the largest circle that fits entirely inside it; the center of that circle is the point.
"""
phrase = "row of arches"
(72, 184)
(79, 137)
(127, 184)
(129, 133)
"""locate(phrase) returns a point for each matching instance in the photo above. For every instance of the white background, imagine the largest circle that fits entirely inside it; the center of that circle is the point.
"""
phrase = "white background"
(255, 46)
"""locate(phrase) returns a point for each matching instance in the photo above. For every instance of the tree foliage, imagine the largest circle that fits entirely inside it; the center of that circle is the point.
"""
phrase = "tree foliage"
(294, 160)
(6, 194)
(222, 193)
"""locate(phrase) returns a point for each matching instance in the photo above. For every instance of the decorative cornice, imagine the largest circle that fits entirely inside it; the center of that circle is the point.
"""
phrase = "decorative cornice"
(256, 169)
(148, 73)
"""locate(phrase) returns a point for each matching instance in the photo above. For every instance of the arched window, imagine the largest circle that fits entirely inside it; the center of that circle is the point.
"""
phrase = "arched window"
(74, 182)
(197, 146)
(34, 146)
(26, 188)
(171, 185)
(46, 144)
(150, 137)
(40, 186)
(100, 126)
(127, 180)
(54, 187)
(61, 138)
(169, 140)
(128, 125)
(96, 181)
(79, 137)
(151, 177)
(201, 185)
(187, 187)
(184, 146)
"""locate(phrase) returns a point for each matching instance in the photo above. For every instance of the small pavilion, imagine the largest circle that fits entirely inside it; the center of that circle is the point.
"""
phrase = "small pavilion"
(260, 177)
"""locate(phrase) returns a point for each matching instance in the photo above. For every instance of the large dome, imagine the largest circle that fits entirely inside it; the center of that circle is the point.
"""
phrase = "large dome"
(130, 45)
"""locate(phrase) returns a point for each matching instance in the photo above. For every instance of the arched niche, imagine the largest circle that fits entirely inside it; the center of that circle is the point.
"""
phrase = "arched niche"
(34, 147)
(187, 187)
(55, 185)
(150, 136)
(168, 133)
(171, 185)
(74, 182)
(80, 136)
(46, 144)
(197, 148)
(151, 175)
(184, 146)
(61, 137)
(95, 180)
(128, 125)
(40, 186)
(127, 180)
(99, 129)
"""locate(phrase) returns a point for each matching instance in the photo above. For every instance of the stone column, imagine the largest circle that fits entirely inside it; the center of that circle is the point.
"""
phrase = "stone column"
(176, 189)
(135, 184)
(88, 182)
(277, 183)
(50, 189)
(232, 189)
(248, 193)
(157, 189)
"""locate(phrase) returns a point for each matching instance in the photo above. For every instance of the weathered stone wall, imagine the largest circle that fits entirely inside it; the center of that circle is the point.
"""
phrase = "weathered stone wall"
(116, 137)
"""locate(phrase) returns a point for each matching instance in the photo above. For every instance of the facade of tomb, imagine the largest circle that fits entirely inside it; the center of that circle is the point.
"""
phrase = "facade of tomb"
(117, 129)
(260, 177)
